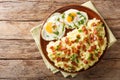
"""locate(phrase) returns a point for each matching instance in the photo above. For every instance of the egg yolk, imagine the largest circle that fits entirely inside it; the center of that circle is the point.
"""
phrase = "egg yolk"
(71, 16)
(49, 27)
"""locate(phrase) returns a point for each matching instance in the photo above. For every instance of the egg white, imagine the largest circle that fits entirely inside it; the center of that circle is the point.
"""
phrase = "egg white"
(80, 19)
(60, 29)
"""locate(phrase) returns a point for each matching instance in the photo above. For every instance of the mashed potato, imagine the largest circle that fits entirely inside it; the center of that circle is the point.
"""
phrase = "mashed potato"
(80, 49)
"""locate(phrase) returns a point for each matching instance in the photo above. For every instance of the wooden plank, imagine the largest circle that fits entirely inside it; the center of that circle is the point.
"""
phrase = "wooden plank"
(27, 49)
(16, 30)
(21, 30)
(38, 10)
(50, 0)
(18, 49)
(36, 69)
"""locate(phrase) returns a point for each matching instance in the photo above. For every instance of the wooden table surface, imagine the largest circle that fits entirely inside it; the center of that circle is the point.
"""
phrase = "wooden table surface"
(19, 56)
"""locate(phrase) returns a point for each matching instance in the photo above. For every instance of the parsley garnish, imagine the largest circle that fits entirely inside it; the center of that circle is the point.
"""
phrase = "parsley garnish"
(58, 19)
(79, 30)
(63, 15)
(73, 57)
(78, 13)
(57, 33)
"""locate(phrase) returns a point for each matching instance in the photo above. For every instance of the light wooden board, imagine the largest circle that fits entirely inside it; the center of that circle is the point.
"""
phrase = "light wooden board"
(38, 10)
(26, 49)
(21, 29)
(36, 69)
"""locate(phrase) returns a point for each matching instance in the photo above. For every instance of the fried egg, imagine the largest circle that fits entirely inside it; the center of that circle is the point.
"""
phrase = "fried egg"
(74, 18)
(53, 29)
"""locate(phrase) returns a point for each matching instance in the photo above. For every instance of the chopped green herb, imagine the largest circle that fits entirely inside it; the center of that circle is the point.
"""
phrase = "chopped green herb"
(71, 68)
(96, 54)
(47, 35)
(75, 25)
(90, 56)
(57, 47)
(63, 15)
(58, 54)
(70, 26)
(79, 30)
(57, 33)
(77, 40)
(82, 21)
(63, 28)
(63, 24)
(79, 23)
(78, 13)
(73, 57)
(55, 37)
(77, 61)
(58, 19)
(84, 17)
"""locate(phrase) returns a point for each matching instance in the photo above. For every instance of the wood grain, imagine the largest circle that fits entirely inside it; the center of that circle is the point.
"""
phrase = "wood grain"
(21, 29)
(18, 49)
(16, 30)
(38, 10)
(27, 49)
(36, 70)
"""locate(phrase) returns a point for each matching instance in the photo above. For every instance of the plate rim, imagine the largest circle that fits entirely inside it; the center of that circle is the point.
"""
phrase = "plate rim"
(75, 5)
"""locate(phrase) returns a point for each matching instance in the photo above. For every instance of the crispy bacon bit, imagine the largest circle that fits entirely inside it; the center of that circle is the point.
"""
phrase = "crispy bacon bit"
(80, 43)
(78, 36)
(101, 40)
(78, 52)
(92, 48)
(92, 38)
(63, 48)
(59, 59)
(81, 54)
(73, 41)
(94, 24)
(95, 32)
(74, 50)
(90, 30)
(78, 47)
(65, 59)
(99, 54)
(67, 51)
(66, 40)
(85, 61)
(84, 48)
(54, 52)
(86, 40)
(82, 59)
(70, 44)
(85, 30)
(53, 49)
(66, 65)
(74, 63)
